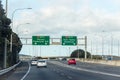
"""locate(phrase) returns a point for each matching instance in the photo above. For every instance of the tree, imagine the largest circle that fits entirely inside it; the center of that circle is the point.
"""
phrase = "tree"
(4, 23)
(5, 32)
(79, 53)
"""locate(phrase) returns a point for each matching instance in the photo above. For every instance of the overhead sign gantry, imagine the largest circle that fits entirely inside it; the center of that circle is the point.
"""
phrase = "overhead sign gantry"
(64, 40)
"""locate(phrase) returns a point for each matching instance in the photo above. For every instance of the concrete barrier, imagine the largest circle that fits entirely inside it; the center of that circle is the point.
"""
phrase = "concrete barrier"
(107, 62)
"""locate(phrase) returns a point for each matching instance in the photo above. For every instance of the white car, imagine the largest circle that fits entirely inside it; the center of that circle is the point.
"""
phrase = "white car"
(41, 63)
(33, 62)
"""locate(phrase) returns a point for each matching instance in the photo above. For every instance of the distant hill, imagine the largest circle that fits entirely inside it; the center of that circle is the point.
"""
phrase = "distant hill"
(23, 55)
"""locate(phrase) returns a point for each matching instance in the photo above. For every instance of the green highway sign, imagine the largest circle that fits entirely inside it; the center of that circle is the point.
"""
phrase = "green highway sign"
(40, 40)
(69, 40)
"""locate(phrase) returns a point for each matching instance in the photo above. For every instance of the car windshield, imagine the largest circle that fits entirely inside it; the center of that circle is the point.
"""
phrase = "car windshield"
(33, 60)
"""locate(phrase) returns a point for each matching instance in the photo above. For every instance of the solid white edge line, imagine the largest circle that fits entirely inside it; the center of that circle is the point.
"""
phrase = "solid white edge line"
(27, 72)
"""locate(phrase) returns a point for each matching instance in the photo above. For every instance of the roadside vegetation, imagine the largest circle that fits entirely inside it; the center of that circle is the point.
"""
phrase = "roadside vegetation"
(5, 33)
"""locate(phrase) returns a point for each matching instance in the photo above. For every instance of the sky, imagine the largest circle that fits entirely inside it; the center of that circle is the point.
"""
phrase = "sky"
(96, 19)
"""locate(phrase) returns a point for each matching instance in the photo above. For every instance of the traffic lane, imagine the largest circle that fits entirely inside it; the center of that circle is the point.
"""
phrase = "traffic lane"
(97, 67)
(43, 74)
(17, 73)
(75, 74)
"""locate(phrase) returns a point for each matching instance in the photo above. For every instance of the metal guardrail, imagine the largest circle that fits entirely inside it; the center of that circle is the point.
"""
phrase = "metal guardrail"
(8, 69)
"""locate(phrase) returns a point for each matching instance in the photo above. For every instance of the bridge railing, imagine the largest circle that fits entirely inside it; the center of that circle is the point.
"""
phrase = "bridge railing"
(8, 69)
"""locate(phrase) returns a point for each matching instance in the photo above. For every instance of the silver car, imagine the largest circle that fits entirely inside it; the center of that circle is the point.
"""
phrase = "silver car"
(33, 62)
(41, 63)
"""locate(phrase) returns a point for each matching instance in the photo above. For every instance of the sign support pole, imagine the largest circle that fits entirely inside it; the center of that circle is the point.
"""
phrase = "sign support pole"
(85, 47)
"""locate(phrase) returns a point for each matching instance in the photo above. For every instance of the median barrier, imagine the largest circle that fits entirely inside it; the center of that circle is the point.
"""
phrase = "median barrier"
(9, 69)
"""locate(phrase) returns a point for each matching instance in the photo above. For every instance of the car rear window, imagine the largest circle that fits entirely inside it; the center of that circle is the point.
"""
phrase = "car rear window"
(41, 61)
(73, 59)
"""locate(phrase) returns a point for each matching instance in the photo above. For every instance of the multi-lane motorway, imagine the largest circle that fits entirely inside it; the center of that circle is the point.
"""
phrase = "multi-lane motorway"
(59, 70)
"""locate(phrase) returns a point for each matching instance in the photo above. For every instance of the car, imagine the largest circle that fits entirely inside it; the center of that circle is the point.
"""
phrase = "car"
(64, 59)
(33, 62)
(71, 61)
(41, 63)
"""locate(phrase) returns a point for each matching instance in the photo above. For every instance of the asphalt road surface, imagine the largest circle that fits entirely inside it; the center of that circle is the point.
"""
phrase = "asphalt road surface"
(17, 73)
(61, 71)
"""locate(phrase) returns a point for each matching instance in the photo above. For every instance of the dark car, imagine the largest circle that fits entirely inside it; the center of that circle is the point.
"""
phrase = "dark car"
(64, 59)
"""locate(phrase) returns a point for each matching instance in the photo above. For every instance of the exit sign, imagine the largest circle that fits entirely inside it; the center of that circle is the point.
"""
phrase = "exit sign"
(40, 40)
(69, 40)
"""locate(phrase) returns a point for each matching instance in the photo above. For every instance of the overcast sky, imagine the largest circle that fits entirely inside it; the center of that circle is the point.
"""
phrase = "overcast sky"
(67, 17)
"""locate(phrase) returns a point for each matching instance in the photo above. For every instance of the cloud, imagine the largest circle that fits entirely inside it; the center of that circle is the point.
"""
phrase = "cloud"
(70, 18)
(73, 23)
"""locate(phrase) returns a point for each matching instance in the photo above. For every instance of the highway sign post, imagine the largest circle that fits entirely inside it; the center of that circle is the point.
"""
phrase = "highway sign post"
(40, 40)
(69, 40)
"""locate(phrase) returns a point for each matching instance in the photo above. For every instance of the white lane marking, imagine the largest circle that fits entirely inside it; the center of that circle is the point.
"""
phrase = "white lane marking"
(27, 72)
(82, 69)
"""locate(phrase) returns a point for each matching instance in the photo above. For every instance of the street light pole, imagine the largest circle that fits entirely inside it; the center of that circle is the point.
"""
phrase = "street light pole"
(118, 48)
(91, 49)
(20, 25)
(6, 7)
(111, 46)
(85, 47)
(78, 51)
(13, 24)
(102, 46)
(15, 11)
(5, 44)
